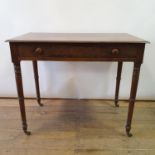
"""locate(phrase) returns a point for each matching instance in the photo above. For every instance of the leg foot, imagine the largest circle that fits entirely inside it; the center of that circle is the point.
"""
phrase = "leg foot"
(129, 134)
(28, 133)
(128, 128)
(116, 104)
(25, 129)
(40, 104)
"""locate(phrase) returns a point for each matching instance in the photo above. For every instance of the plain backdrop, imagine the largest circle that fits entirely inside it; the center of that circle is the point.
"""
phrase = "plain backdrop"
(78, 79)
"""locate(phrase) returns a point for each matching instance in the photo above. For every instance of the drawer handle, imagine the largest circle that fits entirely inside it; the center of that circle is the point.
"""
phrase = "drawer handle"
(115, 51)
(38, 50)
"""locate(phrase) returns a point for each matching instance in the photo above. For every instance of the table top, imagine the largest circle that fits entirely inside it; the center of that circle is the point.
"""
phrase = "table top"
(78, 38)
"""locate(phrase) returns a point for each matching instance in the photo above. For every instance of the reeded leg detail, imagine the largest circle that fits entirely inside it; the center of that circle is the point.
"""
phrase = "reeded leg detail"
(36, 77)
(119, 71)
(19, 85)
(135, 79)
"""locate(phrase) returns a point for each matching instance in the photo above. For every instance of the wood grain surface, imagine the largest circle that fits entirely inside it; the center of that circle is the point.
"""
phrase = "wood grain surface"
(78, 37)
(76, 127)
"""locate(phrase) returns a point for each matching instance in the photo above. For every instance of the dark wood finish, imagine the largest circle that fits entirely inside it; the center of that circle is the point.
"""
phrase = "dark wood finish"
(21, 96)
(36, 77)
(119, 71)
(77, 51)
(78, 47)
(78, 38)
(135, 78)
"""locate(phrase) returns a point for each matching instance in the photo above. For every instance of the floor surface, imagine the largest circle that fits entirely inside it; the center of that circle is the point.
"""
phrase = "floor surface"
(76, 127)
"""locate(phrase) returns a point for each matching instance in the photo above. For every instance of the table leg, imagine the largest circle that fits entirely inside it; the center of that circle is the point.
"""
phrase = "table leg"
(19, 85)
(135, 79)
(36, 77)
(119, 71)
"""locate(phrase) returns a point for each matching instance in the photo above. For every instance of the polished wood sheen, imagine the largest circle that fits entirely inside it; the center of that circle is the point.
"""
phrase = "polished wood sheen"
(78, 37)
(119, 47)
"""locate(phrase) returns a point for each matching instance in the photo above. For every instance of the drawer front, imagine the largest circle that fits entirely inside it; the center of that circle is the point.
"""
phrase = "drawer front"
(60, 50)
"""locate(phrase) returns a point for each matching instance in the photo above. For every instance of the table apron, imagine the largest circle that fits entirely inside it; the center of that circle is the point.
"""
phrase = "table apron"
(77, 51)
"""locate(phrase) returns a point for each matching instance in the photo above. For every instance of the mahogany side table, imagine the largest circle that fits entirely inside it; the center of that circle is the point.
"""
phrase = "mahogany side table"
(119, 47)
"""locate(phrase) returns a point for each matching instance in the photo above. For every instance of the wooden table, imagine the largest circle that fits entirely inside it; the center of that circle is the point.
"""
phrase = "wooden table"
(120, 47)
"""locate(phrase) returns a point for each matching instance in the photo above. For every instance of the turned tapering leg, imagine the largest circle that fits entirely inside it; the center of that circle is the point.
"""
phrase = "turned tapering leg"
(119, 71)
(36, 77)
(19, 84)
(135, 78)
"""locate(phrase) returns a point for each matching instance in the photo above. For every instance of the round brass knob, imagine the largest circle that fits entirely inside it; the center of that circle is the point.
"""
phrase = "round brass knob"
(115, 51)
(38, 50)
